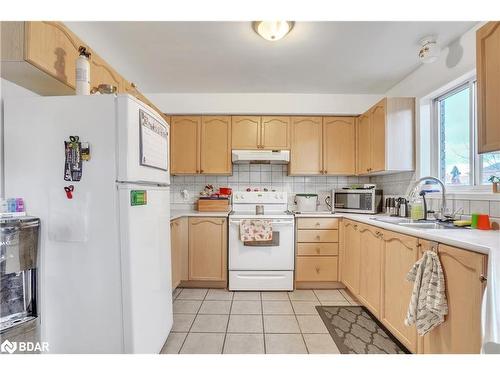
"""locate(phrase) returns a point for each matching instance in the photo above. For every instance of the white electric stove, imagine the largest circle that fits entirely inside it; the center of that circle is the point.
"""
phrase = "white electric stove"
(260, 266)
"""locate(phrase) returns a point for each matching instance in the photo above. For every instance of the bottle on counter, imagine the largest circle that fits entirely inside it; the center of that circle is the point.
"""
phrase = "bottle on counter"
(4, 207)
(19, 205)
(417, 209)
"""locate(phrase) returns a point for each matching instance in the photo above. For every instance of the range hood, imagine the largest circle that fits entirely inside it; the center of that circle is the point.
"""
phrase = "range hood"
(260, 157)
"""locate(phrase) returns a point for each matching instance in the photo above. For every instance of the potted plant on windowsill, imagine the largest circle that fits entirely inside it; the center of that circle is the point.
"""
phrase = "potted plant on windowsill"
(495, 181)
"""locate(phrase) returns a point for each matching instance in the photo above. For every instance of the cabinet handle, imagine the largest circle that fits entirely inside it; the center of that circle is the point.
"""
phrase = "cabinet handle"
(318, 250)
(317, 269)
(326, 171)
(483, 278)
(201, 170)
(318, 224)
(318, 238)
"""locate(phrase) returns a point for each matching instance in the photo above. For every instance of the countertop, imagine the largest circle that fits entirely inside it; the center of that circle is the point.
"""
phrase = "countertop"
(175, 214)
(480, 241)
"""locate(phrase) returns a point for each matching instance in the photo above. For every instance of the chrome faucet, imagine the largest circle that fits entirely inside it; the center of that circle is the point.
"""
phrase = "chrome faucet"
(413, 191)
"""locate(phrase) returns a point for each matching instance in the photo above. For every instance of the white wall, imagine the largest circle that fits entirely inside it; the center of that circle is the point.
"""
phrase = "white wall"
(8, 90)
(255, 103)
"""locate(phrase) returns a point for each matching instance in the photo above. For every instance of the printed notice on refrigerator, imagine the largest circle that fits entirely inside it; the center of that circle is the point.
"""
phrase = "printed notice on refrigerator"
(153, 142)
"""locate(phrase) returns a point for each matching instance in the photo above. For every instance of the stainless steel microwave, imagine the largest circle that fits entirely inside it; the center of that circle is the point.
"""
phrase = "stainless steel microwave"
(362, 201)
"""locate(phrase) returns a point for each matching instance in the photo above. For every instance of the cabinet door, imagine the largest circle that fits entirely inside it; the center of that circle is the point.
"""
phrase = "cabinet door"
(53, 48)
(175, 252)
(339, 149)
(275, 133)
(350, 259)
(461, 330)
(377, 124)
(245, 132)
(370, 278)
(215, 145)
(400, 252)
(306, 147)
(364, 144)
(184, 144)
(102, 73)
(488, 86)
(207, 249)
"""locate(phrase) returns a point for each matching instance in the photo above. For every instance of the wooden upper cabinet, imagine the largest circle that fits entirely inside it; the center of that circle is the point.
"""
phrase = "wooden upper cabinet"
(400, 252)
(255, 132)
(207, 248)
(386, 137)
(377, 128)
(275, 132)
(364, 144)
(460, 333)
(488, 86)
(53, 48)
(245, 132)
(339, 149)
(101, 73)
(370, 278)
(350, 261)
(184, 144)
(306, 157)
(215, 145)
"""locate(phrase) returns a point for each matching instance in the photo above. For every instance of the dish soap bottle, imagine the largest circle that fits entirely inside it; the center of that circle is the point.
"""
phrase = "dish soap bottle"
(83, 72)
(417, 209)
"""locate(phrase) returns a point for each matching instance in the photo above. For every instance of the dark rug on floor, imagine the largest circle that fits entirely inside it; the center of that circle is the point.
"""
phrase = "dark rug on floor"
(356, 331)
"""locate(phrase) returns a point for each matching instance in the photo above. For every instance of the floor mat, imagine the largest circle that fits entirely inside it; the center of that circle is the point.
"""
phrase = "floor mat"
(356, 331)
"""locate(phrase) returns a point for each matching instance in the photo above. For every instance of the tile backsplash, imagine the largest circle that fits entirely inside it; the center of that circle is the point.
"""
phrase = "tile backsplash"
(398, 184)
(275, 177)
(259, 176)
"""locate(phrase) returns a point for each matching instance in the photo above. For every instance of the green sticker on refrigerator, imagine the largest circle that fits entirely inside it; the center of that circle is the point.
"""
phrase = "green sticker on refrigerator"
(138, 197)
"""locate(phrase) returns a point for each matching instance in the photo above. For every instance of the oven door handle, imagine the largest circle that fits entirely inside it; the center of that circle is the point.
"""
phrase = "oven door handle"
(287, 223)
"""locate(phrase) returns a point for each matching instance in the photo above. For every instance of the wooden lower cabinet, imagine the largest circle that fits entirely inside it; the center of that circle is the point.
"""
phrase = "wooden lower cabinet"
(400, 252)
(370, 276)
(207, 248)
(350, 256)
(374, 265)
(317, 251)
(179, 250)
(461, 330)
(316, 268)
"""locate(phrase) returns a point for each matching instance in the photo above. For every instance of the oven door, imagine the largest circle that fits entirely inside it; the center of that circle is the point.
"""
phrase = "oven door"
(279, 255)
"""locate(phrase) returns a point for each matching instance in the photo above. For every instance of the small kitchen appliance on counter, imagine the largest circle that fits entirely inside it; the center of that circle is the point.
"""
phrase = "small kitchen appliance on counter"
(359, 200)
(306, 202)
(261, 265)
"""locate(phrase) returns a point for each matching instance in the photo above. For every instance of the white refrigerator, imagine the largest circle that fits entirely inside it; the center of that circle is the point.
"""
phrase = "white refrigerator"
(105, 279)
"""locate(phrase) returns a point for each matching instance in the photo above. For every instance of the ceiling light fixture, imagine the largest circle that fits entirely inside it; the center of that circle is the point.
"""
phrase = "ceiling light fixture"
(429, 52)
(273, 30)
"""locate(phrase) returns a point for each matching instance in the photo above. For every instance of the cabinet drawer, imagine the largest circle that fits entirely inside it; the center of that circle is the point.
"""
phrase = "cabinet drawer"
(317, 249)
(316, 269)
(317, 223)
(327, 235)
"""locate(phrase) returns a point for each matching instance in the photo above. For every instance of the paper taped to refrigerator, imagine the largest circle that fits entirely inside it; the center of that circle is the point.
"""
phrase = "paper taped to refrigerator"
(153, 142)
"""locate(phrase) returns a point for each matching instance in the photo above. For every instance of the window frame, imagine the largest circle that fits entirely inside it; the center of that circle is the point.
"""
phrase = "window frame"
(475, 160)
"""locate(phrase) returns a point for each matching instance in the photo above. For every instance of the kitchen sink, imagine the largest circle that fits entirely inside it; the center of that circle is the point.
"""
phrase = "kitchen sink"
(421, 224)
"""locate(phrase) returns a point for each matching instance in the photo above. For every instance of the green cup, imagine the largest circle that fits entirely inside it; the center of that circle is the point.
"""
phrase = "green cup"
(474, 220)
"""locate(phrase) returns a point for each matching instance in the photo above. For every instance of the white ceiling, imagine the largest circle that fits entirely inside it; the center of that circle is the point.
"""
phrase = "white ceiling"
(216, 57)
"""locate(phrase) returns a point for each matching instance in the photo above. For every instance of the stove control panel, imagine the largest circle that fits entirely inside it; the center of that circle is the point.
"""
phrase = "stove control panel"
(260, 197)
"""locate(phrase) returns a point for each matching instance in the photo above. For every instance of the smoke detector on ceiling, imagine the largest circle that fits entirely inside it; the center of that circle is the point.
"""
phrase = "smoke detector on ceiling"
(429, 50)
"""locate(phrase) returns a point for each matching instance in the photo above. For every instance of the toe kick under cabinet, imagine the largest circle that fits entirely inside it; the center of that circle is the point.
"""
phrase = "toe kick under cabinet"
(317, 248)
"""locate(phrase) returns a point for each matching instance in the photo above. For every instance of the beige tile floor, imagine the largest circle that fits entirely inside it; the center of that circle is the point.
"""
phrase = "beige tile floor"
(218, 321)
